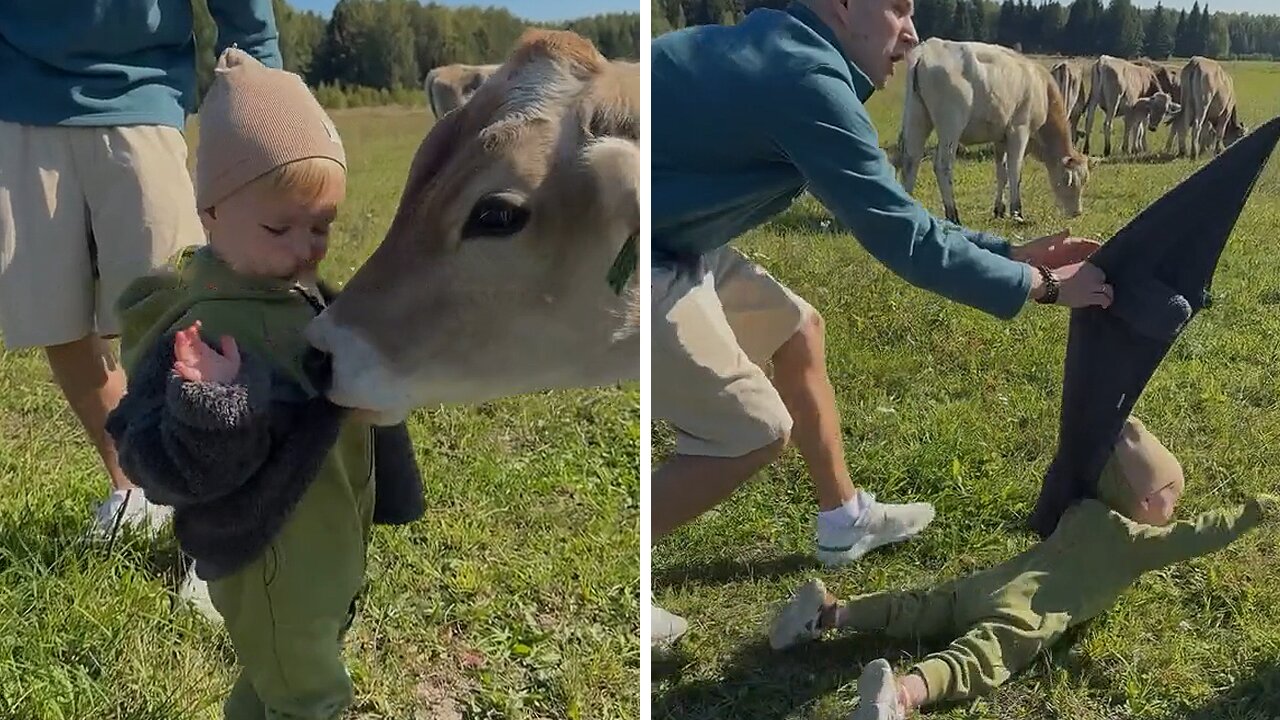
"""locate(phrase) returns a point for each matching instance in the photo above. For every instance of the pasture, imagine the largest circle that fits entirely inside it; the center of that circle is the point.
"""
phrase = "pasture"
(516, 596)
(945, 404)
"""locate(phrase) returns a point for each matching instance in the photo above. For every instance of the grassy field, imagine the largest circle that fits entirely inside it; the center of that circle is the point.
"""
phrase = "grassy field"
(515, 597)
(945, 404)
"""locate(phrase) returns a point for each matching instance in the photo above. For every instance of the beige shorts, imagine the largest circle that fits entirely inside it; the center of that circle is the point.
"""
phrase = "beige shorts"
(83, 212)
(714, 328)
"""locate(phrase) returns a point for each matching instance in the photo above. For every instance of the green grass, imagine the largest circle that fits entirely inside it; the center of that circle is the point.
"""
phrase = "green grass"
(942, 403)
(516, 596)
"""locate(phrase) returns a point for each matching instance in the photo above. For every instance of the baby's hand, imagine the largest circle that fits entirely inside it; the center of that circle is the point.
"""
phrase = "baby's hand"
(197, 362)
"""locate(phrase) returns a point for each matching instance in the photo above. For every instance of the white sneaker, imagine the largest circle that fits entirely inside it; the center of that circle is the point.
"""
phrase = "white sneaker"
(128, 509)
(800, 619)
(665, 628)
(196, 591)
(880, 524)
(878, 694)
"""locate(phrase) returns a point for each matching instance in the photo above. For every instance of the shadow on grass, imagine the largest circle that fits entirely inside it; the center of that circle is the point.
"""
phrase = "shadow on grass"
(57, 542)
(765, 685)
(1150, 158)
(1256, 697)
(762, 684)
(731, 569)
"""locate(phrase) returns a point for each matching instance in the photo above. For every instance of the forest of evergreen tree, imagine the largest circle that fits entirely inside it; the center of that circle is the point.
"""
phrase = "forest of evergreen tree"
(371, 52)
(1080, 27)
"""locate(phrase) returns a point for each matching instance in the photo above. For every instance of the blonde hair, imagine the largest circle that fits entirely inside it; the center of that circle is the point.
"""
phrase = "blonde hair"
(305, 179)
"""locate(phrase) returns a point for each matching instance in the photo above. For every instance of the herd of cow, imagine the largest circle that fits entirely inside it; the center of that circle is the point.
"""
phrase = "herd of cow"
(976, 93)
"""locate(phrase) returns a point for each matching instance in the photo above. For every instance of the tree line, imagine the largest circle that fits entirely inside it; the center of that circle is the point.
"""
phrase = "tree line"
(379, 51)
(1080, 27)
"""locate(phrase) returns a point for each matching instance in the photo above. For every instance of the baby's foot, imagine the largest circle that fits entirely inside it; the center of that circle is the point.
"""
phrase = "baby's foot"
(878, 694)
(801, 618)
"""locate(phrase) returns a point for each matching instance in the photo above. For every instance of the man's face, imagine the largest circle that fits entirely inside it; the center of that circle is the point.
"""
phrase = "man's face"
(876, 34)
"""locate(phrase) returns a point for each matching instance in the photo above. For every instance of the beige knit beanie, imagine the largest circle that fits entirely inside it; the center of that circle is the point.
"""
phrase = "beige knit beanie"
(1138, 464)
(253, 120)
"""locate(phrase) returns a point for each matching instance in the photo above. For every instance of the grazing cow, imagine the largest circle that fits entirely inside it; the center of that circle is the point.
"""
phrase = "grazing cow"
(1147, 114)
(450, 86)
(1167, 79)
(1208, 108)
(510, 265)
(975, 93)
(1071, 84)
(1115, 86)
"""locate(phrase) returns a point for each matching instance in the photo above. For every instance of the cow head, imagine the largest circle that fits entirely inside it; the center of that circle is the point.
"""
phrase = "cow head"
(494, 276)
(1068, 178)
(1160, 108)
(1234, 129)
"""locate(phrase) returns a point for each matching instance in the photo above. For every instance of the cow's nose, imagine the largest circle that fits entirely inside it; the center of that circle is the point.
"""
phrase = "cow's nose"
(317, 332)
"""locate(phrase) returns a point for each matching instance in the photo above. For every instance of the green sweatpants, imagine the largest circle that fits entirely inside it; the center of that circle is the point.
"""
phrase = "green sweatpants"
(288, 610)
(991, 643)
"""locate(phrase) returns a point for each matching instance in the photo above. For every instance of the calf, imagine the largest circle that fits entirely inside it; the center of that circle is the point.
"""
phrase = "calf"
(510, 265)
(1116, 86)
(1147, 114)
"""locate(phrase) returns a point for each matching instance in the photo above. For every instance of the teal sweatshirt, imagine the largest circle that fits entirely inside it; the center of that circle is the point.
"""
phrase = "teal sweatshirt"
(115, 62)
(747, 117)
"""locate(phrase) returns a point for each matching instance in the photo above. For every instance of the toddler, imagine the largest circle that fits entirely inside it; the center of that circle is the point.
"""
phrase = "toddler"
(1004, 616)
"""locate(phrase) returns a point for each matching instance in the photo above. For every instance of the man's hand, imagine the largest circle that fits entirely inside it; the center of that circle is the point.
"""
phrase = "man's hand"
(1055, 251)
(1082, 285)
(197, 362)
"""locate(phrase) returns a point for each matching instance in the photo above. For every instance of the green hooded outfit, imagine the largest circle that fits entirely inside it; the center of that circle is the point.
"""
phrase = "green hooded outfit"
(274, 488)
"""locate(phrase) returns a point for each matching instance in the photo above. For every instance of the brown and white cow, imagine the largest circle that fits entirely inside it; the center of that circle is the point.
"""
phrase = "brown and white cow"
(1167, 79)
(1208, 109)
(1115, 86)
(974, 93)
(451, 86)
(1146, 115)
(493, 278)
(1074, 95)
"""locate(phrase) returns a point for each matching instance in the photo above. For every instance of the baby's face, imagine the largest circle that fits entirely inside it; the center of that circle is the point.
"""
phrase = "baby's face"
(1158, 506)
(265, 232)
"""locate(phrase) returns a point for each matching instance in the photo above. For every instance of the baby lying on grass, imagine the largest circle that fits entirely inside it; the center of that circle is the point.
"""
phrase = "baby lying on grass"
(1003, 617)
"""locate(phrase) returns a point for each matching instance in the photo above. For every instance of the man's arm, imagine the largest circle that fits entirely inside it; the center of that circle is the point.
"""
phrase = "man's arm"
(250, 25)
(1208, 532)
(826, 133)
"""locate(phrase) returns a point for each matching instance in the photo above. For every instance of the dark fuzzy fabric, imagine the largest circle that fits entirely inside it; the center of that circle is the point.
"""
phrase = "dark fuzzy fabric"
(1161, 266)
(233, 460)
(398, 499)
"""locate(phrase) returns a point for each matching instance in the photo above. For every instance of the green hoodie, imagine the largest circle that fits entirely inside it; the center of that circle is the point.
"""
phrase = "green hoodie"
(234, 459)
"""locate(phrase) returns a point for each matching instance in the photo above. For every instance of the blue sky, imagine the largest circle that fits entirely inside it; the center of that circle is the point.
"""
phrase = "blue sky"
(529, 9)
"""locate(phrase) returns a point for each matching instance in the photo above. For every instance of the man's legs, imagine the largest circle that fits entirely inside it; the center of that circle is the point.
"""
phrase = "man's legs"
(141, 209)
(850, 522)
(93, 382)
(729, 420)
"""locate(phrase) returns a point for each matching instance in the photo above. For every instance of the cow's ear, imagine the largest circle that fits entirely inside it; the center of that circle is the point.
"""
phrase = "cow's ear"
(1175, 108)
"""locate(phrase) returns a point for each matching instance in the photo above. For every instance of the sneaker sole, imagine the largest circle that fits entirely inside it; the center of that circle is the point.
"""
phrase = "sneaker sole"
(835, 558)
(791, 626)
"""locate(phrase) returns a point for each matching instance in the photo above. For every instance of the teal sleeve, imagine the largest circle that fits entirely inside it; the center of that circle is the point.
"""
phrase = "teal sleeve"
(251, 26)
(1158, 546)
(984, 240)
(826, 133)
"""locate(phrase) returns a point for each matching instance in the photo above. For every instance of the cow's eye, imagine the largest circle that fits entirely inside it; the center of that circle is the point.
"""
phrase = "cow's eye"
(497, 215)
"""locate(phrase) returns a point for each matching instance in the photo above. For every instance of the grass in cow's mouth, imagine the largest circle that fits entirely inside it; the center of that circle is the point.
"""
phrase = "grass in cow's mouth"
(516, 596)
(943, 404)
